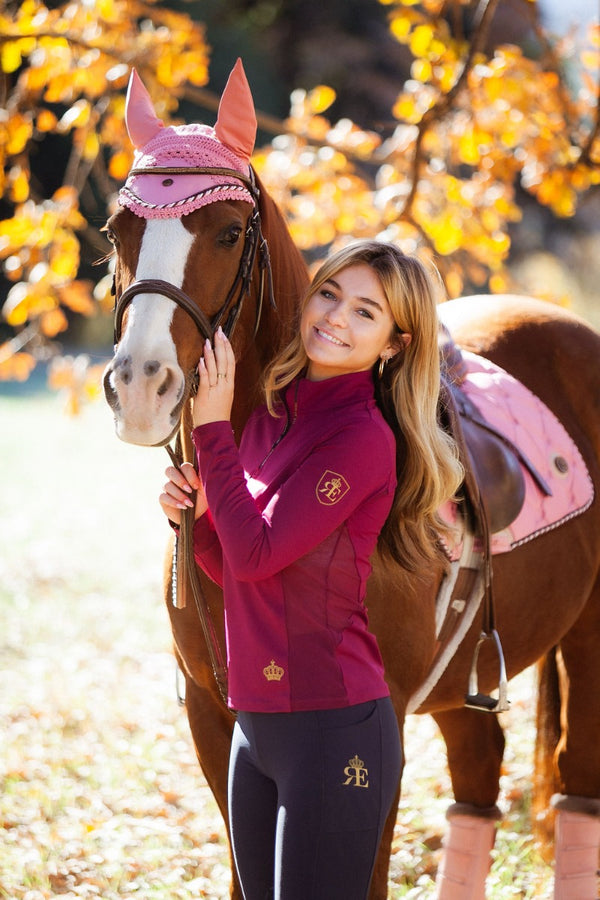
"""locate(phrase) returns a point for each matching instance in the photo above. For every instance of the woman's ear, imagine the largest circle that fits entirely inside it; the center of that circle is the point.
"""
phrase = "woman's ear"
(399, 342)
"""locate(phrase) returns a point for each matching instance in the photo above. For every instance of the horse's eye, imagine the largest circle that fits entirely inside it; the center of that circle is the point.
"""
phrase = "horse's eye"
(111, 235)
(231, 236)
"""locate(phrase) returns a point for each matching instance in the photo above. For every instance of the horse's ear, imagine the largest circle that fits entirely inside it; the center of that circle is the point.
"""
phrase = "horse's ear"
(236, 119)
(140, 117)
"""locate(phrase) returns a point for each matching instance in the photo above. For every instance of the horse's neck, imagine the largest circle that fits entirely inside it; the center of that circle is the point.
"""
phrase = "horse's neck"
(290, 279)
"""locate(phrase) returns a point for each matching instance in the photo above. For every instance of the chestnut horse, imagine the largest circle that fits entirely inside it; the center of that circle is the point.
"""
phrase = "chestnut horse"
(177, 253)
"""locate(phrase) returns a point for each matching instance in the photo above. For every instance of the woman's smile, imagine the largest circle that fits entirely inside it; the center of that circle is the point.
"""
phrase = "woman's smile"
(329, 337)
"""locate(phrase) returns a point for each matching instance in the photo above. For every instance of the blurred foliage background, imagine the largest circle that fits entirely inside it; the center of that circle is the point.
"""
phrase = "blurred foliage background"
(465, 130)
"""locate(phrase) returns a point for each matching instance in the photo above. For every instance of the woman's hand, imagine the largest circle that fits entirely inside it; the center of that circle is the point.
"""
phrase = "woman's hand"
(178, 493)
(216, 368)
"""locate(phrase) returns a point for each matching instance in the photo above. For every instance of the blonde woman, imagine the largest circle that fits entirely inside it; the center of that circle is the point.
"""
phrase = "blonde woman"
(346, 452)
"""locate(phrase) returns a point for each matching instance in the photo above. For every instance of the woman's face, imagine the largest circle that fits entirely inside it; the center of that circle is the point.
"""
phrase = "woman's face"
(347, 325)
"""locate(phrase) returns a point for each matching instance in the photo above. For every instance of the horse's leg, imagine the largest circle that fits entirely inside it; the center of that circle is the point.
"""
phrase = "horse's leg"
(475, 745)
(576, 839)
(577, 827)
(211, 726)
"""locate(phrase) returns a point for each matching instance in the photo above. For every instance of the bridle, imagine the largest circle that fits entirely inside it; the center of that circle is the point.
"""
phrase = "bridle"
(255, 245)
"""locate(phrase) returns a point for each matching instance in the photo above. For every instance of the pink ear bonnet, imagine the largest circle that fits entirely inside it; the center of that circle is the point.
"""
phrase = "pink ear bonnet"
(228, 145)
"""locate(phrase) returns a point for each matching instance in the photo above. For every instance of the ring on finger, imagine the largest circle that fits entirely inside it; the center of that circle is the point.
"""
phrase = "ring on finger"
(221, 375)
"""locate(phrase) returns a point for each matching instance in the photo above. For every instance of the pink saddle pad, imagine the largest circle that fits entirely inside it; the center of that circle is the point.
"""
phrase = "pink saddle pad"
(517, 413)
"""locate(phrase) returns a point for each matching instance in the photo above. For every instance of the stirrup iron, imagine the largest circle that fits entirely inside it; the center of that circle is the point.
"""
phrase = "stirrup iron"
(484, 702)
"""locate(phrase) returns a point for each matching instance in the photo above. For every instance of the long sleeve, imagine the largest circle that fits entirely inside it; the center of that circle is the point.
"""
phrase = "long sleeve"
(336, 476)
(208, 552)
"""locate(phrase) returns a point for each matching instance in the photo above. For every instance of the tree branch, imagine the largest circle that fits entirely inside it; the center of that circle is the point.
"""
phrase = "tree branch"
(483, 18)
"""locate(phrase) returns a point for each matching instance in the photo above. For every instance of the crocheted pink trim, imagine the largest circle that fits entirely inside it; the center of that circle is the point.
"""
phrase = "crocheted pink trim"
(160, 196)
(183, 207)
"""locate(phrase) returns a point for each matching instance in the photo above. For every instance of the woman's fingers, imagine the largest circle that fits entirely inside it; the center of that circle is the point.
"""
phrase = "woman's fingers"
(177, 493)
(219, 361)
(223, 356)
(181, 484)
(210, 364)
(184, 477)
(216, 369)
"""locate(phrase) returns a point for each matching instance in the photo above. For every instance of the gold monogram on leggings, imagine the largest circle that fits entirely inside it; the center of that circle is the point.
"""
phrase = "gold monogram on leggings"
(357, 775)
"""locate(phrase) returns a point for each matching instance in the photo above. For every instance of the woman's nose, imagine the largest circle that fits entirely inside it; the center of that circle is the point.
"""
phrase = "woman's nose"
(336, 315)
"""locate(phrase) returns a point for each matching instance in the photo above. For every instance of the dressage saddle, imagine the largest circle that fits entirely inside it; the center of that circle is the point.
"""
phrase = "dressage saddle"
(493, 494)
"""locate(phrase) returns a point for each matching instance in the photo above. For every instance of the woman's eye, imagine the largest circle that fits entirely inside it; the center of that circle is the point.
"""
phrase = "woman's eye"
(365, 313)
(327, 295)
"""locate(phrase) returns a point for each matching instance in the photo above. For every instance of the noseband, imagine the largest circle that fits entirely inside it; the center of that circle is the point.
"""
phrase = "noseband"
(254, 244)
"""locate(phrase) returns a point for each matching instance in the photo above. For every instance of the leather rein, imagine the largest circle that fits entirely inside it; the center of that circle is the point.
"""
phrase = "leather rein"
(255, 245)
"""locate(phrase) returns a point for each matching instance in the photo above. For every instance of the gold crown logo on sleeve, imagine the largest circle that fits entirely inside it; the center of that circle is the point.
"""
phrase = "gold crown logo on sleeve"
(273, 672)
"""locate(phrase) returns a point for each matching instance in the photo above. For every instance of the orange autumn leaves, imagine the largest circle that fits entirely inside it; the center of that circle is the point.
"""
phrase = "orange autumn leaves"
(466, 130)
(471, 128)
(67, 68)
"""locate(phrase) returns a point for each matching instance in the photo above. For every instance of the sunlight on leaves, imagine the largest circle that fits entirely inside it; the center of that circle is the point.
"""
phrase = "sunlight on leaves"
(443, 176)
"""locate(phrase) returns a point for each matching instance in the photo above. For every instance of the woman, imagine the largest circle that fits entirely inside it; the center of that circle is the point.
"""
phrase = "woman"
(287, 526)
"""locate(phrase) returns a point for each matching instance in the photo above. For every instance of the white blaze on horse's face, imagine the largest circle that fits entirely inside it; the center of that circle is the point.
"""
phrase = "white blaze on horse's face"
(145, 380)
(145, 384)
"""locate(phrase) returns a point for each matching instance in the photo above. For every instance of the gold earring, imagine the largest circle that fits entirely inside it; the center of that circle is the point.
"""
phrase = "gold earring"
(382, 362)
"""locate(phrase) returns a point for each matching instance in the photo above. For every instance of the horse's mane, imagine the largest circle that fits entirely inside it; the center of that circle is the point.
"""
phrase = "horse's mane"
(290, 273)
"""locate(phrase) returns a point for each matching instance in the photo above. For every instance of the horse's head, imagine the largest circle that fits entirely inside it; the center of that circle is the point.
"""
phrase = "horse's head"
(186, 235)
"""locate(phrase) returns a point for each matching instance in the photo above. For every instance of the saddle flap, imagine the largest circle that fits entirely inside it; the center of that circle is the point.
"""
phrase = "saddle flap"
(498, 473)
(493, 476)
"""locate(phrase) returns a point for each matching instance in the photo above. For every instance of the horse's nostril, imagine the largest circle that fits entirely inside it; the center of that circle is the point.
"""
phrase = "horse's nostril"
(164, 387)
(151, 367)
(109, 391)
(123, 369)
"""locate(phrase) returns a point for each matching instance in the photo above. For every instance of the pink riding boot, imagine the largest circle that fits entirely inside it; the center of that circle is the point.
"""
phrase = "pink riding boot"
(467, 846)
(576, 846)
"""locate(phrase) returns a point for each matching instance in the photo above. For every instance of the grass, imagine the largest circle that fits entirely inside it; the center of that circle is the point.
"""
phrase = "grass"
(101, 793)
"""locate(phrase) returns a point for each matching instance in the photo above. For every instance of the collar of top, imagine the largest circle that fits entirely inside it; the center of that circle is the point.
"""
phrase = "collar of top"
(340, 391)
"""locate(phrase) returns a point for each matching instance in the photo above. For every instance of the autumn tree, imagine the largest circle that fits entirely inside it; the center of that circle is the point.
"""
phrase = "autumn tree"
(473, 123)
(64, 72)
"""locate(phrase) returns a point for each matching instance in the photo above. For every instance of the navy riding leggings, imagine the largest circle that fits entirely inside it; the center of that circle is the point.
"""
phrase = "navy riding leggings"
(309, 793)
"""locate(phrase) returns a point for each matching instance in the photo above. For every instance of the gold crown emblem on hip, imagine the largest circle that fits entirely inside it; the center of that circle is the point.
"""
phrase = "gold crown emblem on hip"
(356, 763)
(273, 672)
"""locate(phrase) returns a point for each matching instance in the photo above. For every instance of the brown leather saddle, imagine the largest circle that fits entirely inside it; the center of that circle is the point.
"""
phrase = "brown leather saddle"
(493, 494)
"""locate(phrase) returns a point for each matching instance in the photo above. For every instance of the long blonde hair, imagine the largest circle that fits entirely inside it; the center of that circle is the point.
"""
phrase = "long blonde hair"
(408, 393)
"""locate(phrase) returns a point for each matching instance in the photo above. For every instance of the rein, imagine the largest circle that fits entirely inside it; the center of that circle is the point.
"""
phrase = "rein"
(182, 564)
(255, 245)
